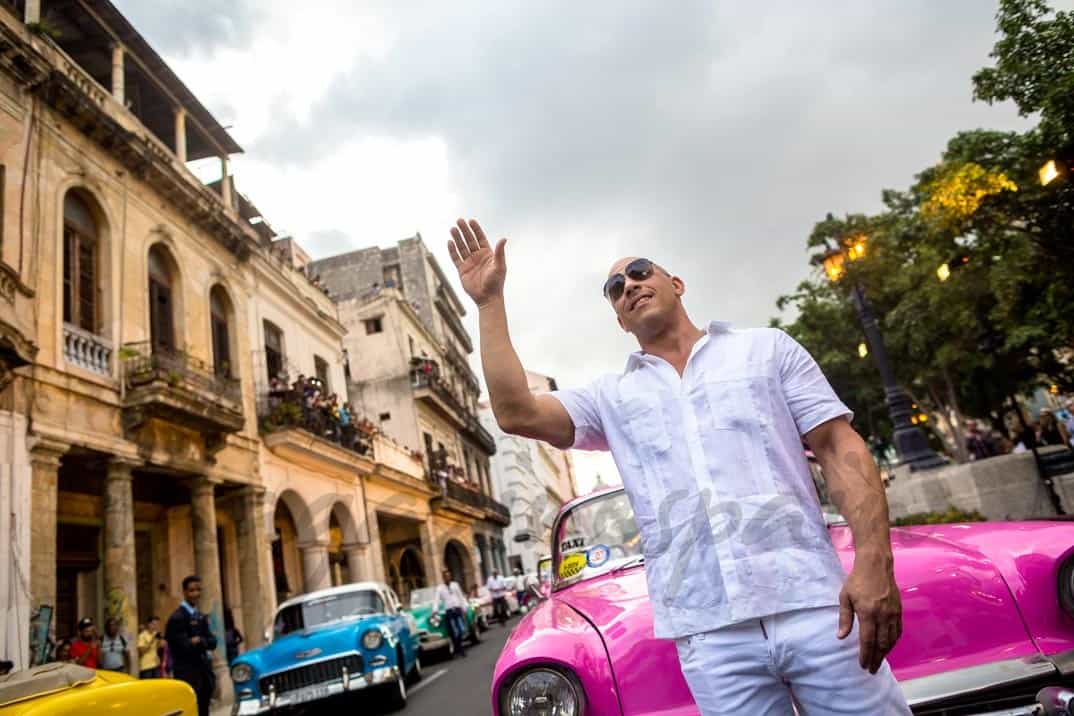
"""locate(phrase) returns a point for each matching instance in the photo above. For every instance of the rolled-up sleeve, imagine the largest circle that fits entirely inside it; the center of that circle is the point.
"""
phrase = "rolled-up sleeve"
(808, 393)
(583, 407)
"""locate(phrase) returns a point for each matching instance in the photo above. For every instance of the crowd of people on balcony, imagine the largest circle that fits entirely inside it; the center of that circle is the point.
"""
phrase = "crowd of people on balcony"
(442, 472)
(306, 403)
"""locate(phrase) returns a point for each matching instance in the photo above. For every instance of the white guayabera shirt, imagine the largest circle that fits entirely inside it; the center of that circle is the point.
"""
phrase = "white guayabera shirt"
(715, 471)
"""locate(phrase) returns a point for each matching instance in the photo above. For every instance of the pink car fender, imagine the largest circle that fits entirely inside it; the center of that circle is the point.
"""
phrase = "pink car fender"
(555, 634)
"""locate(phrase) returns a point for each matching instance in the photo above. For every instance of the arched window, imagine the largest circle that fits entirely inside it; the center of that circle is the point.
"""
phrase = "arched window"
(274, 351)
(80, 252)
(161, 301)
(220, 318)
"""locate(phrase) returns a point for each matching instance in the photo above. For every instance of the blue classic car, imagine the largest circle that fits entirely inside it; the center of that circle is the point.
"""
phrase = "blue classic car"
(328, 643)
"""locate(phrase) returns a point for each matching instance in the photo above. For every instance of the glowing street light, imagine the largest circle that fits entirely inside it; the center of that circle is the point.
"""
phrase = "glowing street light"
(943, 272)
(863, 350)
(1049, 172)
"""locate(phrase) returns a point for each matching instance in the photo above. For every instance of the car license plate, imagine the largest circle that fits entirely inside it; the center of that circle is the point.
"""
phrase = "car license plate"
(310, 693)
(249, 706)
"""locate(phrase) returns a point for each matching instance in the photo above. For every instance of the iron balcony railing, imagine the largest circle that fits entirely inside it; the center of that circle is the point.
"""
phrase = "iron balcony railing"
(423, 378)
(145, 363)
(473, 498)
(476, 431)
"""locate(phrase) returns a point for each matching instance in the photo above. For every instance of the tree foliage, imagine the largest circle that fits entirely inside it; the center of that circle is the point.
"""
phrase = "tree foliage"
(1003, 320)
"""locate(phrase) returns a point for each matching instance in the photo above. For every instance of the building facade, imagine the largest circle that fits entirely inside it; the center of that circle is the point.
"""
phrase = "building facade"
(534, 480)
(408, 366)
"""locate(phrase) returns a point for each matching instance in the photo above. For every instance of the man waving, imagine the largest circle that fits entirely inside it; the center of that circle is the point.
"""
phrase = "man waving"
(705, 423)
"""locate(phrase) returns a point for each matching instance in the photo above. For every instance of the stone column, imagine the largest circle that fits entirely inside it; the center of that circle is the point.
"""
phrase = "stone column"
(120, 578)
(180, 134)
(256, 586)
(118, 80)
(355, 555)
(430, 553)
(315, 566)
(376, 554)
(225, 183)
(45, 466)
(207, 563)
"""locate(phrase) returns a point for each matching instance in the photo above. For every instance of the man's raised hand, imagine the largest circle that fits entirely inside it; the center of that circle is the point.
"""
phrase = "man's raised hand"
(481, 269)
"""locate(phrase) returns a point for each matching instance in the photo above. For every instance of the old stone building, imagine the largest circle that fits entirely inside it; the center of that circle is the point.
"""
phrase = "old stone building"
(408, 365)
(151, 330)
(534, 480)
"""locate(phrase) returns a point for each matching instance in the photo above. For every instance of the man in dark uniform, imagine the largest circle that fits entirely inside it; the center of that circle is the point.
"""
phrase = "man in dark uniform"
(190, 642)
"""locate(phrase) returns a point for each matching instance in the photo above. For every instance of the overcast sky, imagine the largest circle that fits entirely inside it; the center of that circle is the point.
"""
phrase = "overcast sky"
(706, 135)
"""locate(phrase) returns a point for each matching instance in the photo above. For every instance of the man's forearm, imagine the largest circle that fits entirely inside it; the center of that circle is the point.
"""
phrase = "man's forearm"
(856, 488)
(509, 390)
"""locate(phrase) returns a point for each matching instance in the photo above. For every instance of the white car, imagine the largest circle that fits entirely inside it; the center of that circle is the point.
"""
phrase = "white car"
(484, 598)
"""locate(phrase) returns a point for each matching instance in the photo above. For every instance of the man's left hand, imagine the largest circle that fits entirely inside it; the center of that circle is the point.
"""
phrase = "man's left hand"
(871, 594)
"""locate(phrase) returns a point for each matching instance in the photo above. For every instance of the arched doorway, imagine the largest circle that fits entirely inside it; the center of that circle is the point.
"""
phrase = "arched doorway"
(293, 525)
(457, 562)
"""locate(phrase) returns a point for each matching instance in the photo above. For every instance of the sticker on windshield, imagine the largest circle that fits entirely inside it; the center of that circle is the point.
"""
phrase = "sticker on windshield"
(571, 544)
(597, 555)
(571, 565)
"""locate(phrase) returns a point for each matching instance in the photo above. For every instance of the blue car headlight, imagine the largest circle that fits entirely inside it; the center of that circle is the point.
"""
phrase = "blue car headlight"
(372, 639)
(241, 672)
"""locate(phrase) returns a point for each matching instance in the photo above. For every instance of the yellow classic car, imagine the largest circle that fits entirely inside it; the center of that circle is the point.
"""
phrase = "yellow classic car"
(72, 690)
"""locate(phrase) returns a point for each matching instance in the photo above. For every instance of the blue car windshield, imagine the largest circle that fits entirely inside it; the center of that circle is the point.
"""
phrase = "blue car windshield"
(327, 609)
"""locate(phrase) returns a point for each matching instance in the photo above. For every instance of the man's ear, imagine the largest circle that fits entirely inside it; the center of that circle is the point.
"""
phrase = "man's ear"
(679, 284)
(620, 321)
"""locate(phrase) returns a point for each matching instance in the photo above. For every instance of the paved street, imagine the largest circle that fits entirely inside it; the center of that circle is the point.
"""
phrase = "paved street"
(459, 687)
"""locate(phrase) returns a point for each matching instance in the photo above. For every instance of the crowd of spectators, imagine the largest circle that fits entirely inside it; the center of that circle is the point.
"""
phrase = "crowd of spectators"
(306, 403)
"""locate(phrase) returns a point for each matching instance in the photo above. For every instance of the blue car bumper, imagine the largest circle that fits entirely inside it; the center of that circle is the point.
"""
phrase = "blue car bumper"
(315, 692)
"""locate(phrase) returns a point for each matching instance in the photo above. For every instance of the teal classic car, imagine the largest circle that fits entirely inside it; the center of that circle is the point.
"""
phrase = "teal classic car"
(328, 644)
(433, 634)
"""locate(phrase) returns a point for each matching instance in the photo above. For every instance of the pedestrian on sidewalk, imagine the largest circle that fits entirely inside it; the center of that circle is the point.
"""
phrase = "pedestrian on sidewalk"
(232, 636)
(85, 649)
(449, 595)
(191, 643)
(150, 645)
(978, 443)
(715, 414)
(498, 587)
(113, 653)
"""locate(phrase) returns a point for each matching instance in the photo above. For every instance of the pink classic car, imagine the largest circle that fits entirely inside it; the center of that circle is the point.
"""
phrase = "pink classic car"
(988, 621)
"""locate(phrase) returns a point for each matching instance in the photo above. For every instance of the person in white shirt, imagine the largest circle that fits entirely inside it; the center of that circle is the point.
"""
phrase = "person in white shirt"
(498, 587)
(449, 594)
(703, 423)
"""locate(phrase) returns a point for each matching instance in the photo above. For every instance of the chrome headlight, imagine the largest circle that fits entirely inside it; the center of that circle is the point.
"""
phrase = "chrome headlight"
(543, 692)
(241, 672)
(434, 620)
(372, 639)
(1066, 586)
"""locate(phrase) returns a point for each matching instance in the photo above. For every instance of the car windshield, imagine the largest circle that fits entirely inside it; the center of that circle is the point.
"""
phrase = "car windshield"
(595, 537)
(327, 609)
(422, 597)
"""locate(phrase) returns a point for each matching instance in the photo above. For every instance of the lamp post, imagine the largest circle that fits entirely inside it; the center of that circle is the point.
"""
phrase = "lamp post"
(910, 443)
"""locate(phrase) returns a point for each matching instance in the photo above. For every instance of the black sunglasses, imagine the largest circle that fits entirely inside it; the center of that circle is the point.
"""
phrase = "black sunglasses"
(636, 270)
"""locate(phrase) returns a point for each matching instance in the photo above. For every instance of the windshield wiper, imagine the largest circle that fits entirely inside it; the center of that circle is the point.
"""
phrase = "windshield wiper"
(636, 560)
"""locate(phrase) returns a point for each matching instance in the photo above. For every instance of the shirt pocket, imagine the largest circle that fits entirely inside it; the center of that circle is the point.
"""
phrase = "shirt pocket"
(734, 435)
(646, 456)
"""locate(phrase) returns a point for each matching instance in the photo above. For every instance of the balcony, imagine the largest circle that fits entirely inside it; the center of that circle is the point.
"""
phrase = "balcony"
(476, 432)
(472, 503)
(427, 385)
(180, 389)
(87, 351)
(302, 424)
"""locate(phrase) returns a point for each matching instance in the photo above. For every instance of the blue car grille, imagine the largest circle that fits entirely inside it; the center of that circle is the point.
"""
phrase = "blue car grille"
(311, 674)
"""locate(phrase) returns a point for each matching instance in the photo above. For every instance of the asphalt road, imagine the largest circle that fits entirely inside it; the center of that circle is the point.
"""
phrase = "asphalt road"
(460, 686)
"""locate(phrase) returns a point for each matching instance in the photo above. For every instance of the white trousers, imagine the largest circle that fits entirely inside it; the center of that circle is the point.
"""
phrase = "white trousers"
(766, 667)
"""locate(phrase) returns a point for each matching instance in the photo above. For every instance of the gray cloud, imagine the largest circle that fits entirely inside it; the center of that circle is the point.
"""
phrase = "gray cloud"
(181, 27)
(710, 136)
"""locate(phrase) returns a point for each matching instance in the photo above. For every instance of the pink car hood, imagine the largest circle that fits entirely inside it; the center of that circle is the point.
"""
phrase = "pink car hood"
(958, 611)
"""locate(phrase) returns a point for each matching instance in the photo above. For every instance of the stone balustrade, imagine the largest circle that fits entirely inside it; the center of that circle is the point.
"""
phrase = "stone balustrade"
(87, 351)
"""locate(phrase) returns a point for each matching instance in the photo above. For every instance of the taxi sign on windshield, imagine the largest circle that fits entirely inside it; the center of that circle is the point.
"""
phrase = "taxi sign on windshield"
(571, 565)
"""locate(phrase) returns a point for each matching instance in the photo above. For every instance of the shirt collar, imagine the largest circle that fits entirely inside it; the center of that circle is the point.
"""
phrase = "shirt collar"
(712, 328)
(189, 608)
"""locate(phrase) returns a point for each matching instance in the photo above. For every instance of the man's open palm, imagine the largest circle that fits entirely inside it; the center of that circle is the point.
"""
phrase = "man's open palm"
(481, 269)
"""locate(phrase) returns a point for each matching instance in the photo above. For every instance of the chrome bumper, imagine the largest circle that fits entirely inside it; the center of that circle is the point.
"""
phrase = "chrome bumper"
(269, 703)
(933, 690)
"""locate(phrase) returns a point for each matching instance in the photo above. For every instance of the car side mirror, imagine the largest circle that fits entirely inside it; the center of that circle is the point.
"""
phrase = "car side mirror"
(268, 634)
(537, 593)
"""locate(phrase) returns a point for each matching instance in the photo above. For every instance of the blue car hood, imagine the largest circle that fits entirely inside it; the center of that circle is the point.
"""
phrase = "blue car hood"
(336, 638)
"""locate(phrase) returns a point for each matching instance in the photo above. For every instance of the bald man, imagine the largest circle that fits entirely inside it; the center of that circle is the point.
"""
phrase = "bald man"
(711, 421)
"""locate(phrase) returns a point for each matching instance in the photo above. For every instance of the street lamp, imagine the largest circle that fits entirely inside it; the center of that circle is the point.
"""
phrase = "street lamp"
(910, 443)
